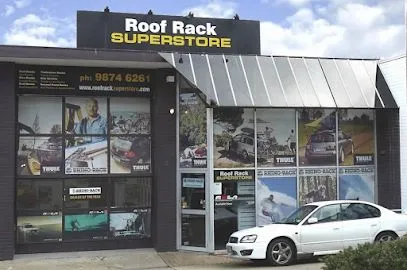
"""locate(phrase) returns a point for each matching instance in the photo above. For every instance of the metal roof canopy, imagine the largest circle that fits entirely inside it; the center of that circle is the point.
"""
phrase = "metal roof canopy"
(279, 81)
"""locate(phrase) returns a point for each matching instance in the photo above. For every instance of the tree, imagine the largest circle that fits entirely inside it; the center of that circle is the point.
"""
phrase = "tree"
(231, 116)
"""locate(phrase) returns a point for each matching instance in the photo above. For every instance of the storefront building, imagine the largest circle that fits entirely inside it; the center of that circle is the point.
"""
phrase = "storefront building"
(173, 132)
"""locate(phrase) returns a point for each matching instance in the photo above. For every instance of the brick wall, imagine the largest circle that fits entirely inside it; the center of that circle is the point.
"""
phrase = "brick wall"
(388, 158)
(7, 159)
(164, 163)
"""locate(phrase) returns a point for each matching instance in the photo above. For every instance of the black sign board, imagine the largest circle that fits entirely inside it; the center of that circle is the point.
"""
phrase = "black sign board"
(167, 33)
(234, 175)
(360, 159)
(61, 79)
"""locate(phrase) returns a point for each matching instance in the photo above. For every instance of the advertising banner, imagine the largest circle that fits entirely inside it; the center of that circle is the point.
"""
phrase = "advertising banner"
(135, 224)
(83, 194)
(39, 115)
(317, 185)
(86, 157)
(357, 183)
(60, 80)
(39, 227)
(88, 225)
(276, 137)
(234, 175)
(39, 156)
(130, 116)
(131, 193)
(130, 154)
(317, 137)
(233, 137)
(356, 142)
(276, 195)
(166, 33)
(192, 131)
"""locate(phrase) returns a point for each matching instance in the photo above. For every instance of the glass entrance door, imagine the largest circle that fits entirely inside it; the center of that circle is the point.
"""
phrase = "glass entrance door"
(193, 219)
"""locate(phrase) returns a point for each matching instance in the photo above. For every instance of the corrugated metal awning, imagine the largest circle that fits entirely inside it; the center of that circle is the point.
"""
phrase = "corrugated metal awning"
(277, 81)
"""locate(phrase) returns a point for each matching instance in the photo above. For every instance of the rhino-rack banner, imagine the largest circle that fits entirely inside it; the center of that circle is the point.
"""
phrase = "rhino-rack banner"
(166, 33)
(61, 79)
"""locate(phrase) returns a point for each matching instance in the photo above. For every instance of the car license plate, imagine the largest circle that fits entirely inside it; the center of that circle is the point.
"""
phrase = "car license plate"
(229, 249)
(318, 149)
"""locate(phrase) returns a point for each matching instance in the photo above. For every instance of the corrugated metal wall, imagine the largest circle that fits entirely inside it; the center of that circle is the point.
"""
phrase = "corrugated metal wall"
(394, 72)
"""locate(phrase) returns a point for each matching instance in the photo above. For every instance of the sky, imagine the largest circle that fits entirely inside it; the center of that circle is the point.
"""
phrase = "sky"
(328, 28)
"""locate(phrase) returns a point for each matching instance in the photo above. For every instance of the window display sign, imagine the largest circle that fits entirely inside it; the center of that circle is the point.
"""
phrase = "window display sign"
(357, 183)
(89, 225)
(39, 227)
(39, 156)
(86, 155)
(130, 116)
(234, 175)
(67, 80)
(317, 185)
(356, 141)
(233, 136)
(131, 192)
(193, 191)
(192, 131)
(276, 137)
(39, 115)
(317, 137)
(135, 224)
(86, 116)
(166, 33)
(85, 193)
(130, 154)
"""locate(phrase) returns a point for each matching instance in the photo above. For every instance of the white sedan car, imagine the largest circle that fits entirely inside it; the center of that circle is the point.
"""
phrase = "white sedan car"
(319, 228)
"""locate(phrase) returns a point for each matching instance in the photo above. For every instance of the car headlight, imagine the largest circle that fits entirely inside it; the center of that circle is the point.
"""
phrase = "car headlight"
(249, 239)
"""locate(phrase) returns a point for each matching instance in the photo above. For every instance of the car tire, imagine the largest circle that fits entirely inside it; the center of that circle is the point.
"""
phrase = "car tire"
(386, 237)
(281, 252)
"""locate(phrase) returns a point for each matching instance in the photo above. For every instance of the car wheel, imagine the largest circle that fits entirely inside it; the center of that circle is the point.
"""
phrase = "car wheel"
(280, 252)
(386, 237)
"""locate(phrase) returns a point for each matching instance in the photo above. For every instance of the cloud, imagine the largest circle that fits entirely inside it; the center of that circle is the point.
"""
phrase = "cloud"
(214, 9)
(17, 4)
(346, 30)
(46, 31)
(9, 9)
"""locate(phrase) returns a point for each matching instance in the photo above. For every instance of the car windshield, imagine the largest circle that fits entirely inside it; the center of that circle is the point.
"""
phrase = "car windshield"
(298, 215)
(322, 138)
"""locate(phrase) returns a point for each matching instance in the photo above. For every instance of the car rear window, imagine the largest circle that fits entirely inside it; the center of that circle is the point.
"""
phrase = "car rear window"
(322, 138)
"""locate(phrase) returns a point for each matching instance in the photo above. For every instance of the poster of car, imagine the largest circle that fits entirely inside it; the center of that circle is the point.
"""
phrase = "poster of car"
(192, 131)
(130, 116)
(357, 183)
(85, 116)
(276, 195)
(276, 137)
(233, 136)
(89, 225)
(356, 142)
(39, 115)
(39, 227)
(135, 224)
(86, 155)
(130, 154)
(316, 137)
(39, 156)
(317, 185)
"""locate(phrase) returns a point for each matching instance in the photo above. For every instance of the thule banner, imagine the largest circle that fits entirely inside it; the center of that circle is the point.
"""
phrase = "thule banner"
(167, 33)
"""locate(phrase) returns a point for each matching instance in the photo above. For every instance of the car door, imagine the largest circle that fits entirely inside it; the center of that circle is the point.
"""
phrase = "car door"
(361, 222)
(325, 234)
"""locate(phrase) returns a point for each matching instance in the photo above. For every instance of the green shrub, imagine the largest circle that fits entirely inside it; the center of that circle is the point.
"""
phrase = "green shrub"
(389, 255)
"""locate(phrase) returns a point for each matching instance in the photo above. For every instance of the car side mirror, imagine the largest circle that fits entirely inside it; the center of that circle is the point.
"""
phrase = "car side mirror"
(312, 220)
